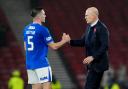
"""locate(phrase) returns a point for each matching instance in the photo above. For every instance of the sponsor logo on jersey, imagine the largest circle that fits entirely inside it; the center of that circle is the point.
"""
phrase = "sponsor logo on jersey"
(43, 78)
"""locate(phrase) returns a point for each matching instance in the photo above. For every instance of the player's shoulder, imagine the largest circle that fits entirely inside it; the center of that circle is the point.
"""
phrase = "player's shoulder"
(27, 26)
(44, 27)
(36, 26)
(39, 26)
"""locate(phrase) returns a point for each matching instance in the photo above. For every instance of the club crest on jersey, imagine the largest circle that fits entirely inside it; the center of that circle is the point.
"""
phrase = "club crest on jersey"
(48, 38)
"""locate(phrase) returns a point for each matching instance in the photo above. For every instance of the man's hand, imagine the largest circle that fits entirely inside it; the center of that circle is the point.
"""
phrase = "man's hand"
(66, 37)
(88, 60)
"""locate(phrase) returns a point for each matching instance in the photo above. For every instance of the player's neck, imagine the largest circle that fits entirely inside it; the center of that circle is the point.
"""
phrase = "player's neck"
(37, 21)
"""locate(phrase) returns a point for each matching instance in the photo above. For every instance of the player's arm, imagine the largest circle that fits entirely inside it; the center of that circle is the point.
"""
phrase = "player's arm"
(24, 45)
(55, 46)
(49, 40)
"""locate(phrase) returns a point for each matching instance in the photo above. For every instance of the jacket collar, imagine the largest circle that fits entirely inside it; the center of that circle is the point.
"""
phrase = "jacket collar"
(94, 23)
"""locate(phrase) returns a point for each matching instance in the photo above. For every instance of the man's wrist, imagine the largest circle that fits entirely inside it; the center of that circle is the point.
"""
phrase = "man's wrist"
(63, 41)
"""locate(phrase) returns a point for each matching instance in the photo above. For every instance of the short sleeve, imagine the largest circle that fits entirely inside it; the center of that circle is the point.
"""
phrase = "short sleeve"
(46, 36)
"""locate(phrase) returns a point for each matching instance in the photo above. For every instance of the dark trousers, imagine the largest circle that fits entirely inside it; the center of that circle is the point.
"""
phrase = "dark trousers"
(93, 79)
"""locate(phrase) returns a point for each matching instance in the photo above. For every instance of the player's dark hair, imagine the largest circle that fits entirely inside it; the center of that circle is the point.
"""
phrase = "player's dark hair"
(35, 11)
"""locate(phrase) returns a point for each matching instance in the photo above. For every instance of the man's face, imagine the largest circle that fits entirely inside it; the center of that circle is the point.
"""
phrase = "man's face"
(90, 17)
(43, 16)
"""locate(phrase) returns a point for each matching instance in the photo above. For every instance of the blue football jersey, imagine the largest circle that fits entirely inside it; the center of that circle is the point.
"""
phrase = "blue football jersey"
(37, 38)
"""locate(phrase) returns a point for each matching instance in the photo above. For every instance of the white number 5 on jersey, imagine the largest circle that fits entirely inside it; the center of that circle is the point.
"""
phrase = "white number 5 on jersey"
(30, 43)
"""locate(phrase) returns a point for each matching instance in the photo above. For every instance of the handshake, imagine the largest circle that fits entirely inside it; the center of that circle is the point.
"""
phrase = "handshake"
(65, 38)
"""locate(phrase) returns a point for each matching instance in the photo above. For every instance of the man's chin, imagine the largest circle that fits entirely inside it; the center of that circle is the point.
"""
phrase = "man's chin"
(87, 21)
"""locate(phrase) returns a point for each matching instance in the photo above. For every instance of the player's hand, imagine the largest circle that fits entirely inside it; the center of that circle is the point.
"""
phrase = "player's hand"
(66, 37)
(88, 60)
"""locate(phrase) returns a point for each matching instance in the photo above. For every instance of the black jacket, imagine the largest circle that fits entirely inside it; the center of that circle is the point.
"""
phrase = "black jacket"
(96, 45)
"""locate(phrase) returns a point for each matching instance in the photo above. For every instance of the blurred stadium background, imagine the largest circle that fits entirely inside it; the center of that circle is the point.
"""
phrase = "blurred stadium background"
(64, 16)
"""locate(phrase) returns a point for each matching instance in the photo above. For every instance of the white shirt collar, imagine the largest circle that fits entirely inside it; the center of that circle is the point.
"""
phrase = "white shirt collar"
(94, 23)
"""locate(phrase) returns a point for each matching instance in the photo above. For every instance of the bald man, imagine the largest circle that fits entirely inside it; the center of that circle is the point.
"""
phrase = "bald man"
(95, 40)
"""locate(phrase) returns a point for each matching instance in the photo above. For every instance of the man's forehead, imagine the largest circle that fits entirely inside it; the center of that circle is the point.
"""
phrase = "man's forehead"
(92, 10)
(87, 12)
